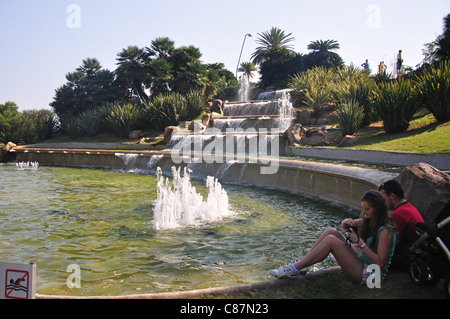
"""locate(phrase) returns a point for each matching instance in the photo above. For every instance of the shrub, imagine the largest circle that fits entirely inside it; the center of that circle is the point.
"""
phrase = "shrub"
(434, 87)
(71, 127)
(395, 103)
(45, 129)
(350, 115)
(90, 122)
(195, 104)
(122, 118)
(314, 88)
(166, 109)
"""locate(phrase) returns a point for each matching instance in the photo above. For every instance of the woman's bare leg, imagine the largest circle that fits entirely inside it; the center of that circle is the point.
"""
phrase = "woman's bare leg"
(328, 243)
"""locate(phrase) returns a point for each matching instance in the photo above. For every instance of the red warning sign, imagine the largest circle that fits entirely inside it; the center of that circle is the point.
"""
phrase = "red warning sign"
(17, 281)
(17, 284)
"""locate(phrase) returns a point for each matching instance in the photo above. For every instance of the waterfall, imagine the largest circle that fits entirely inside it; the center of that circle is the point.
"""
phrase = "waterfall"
(244, 88)
(286, 112)
(178, 203)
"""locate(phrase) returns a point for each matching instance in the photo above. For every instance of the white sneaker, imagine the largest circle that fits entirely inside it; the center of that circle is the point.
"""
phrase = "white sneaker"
(287, 271)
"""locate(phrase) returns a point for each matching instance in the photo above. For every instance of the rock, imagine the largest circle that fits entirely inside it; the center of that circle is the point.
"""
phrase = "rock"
(5, 154)
(295, 133)
(304, 117)
(135, 134)
(348, 140)
(427, 188)
(168, 133)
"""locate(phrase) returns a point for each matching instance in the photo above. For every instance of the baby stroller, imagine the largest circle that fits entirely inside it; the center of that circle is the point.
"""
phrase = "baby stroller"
(431, 261)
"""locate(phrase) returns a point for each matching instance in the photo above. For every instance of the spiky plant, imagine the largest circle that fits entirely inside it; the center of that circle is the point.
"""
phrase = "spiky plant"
(123, 118)
(90, 122)
(350, 115)
(395, 103)
(434, 88)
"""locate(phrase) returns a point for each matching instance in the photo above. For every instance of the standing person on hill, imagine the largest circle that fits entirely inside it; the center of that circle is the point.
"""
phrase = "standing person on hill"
(405, 217)
(399, 61)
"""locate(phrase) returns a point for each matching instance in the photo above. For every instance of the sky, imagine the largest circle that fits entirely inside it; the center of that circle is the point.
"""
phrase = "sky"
(42, 40)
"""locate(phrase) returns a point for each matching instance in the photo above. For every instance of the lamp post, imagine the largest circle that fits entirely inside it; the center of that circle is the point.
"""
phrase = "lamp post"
(247, 35)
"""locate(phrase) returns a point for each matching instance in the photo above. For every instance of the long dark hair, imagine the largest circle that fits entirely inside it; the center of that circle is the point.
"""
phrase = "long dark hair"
(380, 218)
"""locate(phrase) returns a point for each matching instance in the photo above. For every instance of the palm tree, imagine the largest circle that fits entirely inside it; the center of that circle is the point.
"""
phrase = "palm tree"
(162, 47)
(321, 54)
(274, 44)
(89, 67)
(443, 50)
(248, 68)
(131, 69)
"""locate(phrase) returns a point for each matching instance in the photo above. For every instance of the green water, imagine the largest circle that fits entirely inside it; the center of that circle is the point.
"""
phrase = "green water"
(102, 222)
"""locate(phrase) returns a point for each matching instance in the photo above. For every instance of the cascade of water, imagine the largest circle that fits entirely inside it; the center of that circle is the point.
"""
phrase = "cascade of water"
(273, 95)
(286, 112)
(244, 88)
(251, 108)
(179, 204)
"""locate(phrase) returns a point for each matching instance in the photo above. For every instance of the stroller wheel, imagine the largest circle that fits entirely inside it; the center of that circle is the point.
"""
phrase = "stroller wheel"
(421, 274)
(447, 286)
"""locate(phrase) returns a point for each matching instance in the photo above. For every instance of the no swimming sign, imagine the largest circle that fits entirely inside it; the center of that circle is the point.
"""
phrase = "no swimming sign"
(17, 281)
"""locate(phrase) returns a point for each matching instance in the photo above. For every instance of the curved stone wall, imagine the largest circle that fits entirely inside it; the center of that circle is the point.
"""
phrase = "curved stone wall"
(337, 183)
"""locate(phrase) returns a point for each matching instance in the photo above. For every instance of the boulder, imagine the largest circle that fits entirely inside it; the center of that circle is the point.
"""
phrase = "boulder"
(5, 154)
(168, 133)
(295, 133)
(427, 188)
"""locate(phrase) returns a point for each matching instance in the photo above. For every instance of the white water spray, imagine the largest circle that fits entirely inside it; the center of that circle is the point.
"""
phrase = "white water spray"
(178, 204)
(27, 165)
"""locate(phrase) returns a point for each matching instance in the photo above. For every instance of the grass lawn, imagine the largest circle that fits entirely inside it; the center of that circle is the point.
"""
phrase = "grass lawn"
(424, 135)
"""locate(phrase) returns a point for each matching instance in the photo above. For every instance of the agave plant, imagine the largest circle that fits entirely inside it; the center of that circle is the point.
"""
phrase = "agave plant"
(166, 109)
(90, 122)
(196, 103)
(123, 118)
(434, 87)
(314, 88)
(350, 115)
(395, 103)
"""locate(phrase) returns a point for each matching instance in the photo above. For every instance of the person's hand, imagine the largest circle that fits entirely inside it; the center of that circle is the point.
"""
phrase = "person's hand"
(353, 236)
(347, 223)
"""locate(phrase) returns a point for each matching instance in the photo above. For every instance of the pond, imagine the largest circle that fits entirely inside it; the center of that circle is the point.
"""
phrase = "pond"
(101, 221)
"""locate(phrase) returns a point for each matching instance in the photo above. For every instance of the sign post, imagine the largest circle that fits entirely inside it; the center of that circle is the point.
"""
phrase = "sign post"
(17, 281)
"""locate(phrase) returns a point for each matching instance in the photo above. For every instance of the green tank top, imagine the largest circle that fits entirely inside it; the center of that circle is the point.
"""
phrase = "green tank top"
(369, 242)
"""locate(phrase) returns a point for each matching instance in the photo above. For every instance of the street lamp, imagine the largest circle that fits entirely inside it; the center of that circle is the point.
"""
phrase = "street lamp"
(247, 35)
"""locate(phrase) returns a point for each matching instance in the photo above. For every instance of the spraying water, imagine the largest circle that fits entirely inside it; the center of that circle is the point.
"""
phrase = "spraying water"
(244, 88)
(178, 204)
(286, 113)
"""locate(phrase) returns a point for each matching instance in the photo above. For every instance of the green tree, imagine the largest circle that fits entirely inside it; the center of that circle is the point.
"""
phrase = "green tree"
(88, 87)
(439, 49)
(131, 70)
(248, 68)
(322, 54)
(274, 45)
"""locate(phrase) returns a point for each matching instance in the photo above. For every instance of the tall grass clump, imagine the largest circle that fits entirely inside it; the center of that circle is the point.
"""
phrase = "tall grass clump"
(196, 102)
(90, 122)
(350, 115)
(166, 110)
(171, 108)
(122, 117)
(313, 88)
(354, 87)
(395, 103)
(434, 88)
